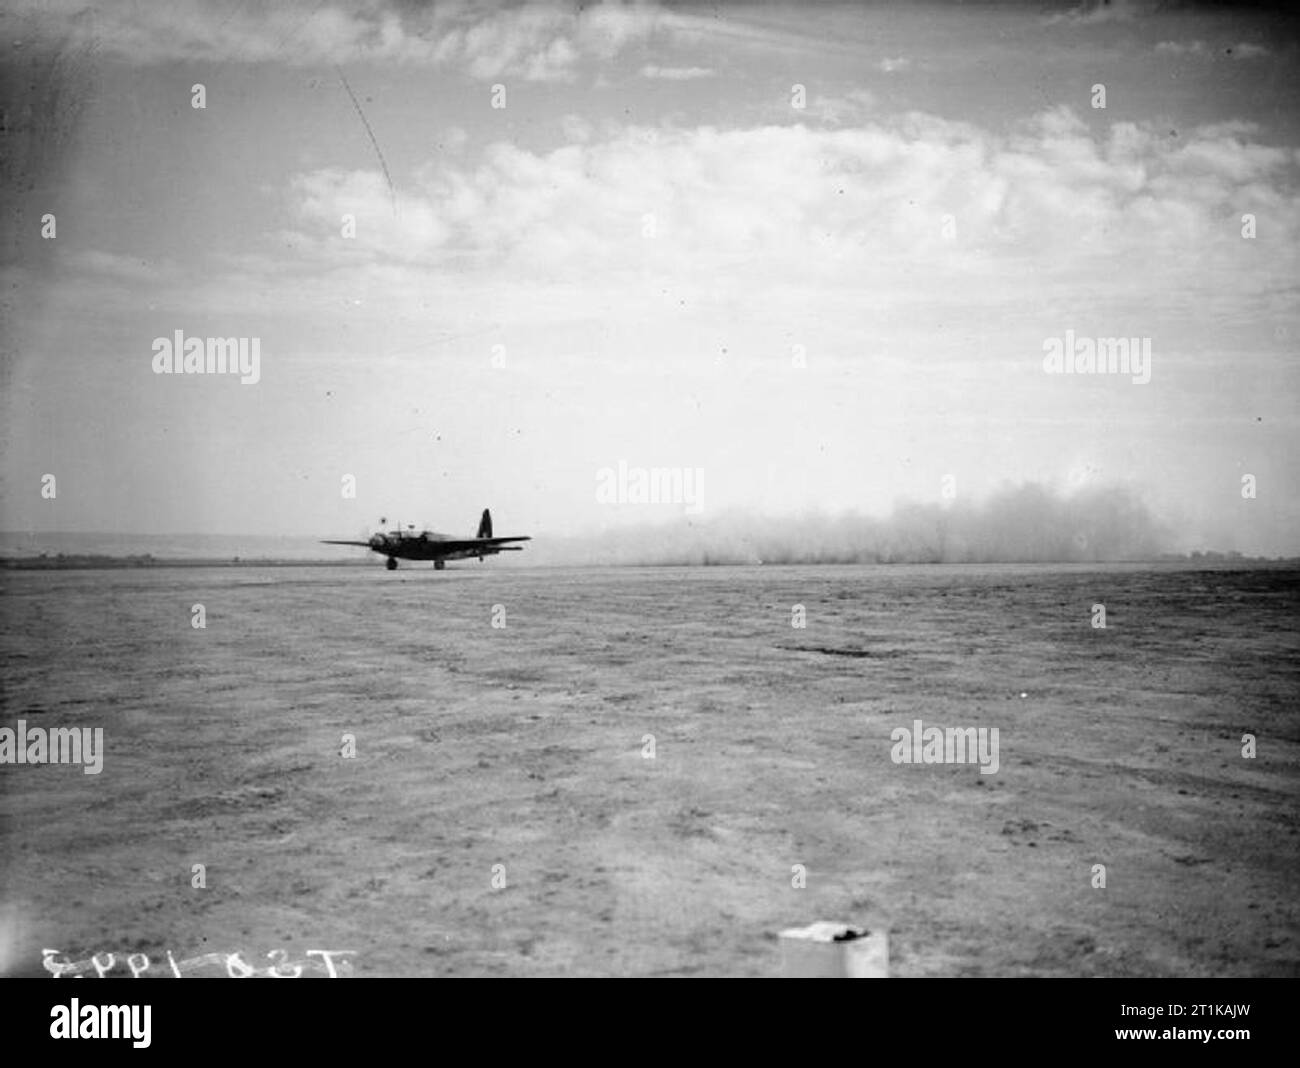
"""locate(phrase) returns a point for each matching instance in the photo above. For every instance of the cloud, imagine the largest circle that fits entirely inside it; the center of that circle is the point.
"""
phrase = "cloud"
(1022, 524)
(576, 128)
(889, 66)
(855, 207)
(1100, 11)
(1177, 48)
(676, 74)
(327, 196)
(543, 42)
(1244, 50)
(851, 107)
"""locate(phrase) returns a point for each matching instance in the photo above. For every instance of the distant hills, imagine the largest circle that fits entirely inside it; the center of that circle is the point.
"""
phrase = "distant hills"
(68, 549)
(71, 561)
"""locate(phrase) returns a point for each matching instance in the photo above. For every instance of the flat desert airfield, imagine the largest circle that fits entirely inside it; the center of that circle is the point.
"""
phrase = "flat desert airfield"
(523, 746)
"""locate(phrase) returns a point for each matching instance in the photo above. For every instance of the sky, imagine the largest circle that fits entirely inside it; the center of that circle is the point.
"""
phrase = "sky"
(811, 255)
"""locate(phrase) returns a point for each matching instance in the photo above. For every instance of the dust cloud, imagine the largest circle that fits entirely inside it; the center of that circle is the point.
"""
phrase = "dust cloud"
(1023, 524)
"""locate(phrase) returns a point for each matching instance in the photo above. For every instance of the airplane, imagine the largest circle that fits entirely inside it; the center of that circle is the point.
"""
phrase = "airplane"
(429, 545)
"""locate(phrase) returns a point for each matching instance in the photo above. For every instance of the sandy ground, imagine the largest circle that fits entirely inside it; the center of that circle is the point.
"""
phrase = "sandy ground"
(523, 746)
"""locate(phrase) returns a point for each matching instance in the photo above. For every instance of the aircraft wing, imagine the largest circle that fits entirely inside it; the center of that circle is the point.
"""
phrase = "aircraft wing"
(471, 545)
(363, 544)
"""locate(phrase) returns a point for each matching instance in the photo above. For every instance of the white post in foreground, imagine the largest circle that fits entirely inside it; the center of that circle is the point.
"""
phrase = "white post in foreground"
(825, 950)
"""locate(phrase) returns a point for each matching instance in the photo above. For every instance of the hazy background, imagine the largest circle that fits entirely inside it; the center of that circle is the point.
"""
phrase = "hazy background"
(631, 259)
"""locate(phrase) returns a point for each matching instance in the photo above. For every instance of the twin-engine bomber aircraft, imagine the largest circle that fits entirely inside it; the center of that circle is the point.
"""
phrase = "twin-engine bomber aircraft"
(428, 545)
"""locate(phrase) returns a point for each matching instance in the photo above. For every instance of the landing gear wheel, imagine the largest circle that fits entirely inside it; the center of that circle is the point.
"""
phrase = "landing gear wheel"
(438, 565)
(392, 564)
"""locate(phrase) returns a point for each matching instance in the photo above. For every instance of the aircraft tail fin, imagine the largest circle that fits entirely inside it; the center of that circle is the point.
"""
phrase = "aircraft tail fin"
(485, 525)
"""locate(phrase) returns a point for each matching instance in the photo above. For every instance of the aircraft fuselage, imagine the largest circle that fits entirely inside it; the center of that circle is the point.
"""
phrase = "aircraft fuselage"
(427, 546)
